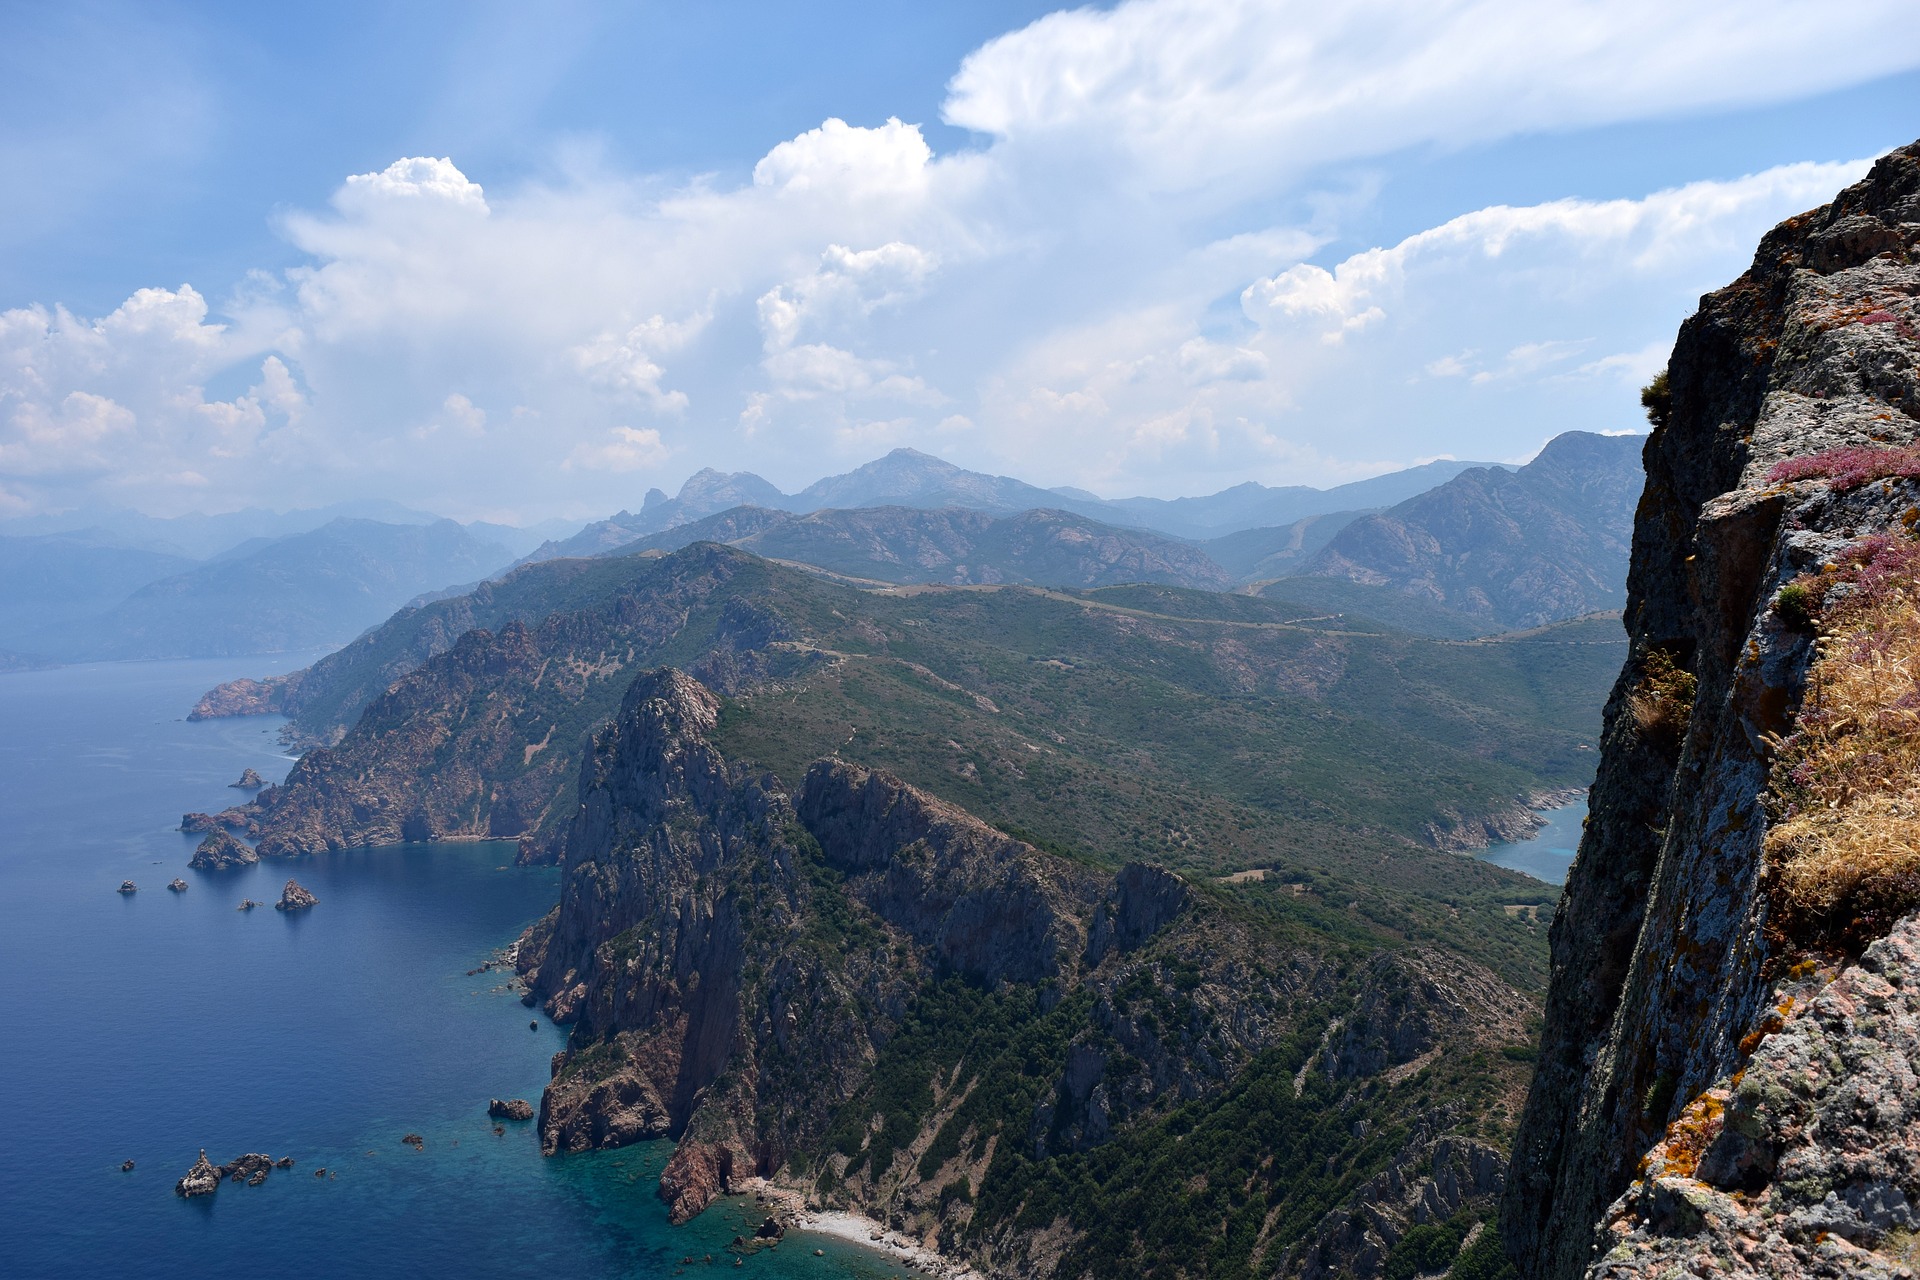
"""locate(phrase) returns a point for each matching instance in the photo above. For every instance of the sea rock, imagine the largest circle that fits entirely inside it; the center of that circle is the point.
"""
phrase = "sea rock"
(251, 1168)
(284, 1162)
(415, 1141)
(128, 886)
(294, 898)
(196, 823)
(126, 1166)
(220, 851)
(201, 1180)
(177, 885)
(771, 1229)
(248, 904)
(249, 781)
(511, 1109)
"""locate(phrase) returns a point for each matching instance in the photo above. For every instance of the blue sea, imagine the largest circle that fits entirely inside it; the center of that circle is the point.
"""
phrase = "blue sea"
(148, 1026)
(1548, 853)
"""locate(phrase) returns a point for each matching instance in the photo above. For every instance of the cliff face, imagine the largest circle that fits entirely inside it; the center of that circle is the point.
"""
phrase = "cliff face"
(870, 996)
(1672, 964)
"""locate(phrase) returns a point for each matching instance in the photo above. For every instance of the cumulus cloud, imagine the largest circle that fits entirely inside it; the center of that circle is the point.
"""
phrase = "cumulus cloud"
(1096, 291)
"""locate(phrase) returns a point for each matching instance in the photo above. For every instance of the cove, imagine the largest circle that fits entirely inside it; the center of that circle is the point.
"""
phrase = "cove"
(148, 1026)
(1548, 853)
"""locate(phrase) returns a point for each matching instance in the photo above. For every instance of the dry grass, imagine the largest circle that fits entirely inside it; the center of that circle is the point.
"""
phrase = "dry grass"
(1843, 856)
(1662, 700)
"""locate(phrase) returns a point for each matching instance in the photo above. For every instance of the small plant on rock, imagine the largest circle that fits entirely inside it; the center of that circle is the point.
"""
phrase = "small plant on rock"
(1662, 701)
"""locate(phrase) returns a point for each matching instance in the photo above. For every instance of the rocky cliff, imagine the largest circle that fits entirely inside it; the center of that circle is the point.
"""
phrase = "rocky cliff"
(871, 997)
(1722, 1079)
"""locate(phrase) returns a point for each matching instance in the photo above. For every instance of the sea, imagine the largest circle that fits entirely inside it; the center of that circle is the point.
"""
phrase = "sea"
(1548, 853)
(149, 1026)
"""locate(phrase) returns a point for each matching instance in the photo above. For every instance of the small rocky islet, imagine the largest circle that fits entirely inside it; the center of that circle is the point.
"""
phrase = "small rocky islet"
(205, 1177)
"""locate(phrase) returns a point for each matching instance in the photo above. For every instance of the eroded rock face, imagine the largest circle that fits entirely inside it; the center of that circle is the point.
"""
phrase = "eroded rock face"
(1806, 1165)
(220, 851)
(1660, 957)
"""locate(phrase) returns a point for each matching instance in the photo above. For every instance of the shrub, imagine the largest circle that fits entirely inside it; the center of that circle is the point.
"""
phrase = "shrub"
(1657, 400)
(1797, 605)
(1849, 467)
(1662, 701)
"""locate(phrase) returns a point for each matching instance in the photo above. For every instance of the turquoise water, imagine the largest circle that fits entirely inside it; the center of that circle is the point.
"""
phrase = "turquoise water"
(1549, 854)
(148, 1026)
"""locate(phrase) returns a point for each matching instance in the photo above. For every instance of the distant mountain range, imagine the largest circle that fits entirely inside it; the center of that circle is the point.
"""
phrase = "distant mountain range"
(307, 591)
(1485, 549)
(1450, 548)
(909, 478)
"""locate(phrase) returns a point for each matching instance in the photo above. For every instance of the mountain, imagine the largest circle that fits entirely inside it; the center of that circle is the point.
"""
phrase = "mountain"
(955, 546)
(1726, 1074)
(1253, 506)
(1516, 548)
(1260, 555)
(200, 537)
(1128, 910)
(302, 592)
(54, 578)
(909, 478)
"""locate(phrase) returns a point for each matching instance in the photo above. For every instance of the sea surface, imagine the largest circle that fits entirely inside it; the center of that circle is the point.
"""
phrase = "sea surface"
(145, 1027)
(1549, 852)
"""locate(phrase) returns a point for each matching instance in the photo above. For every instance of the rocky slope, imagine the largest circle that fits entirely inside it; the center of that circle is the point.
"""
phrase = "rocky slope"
(1722, 1077)
(880, 1002)
(1518, 548)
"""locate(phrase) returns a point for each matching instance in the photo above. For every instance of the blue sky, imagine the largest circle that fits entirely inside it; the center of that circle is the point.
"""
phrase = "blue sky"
(515, 261)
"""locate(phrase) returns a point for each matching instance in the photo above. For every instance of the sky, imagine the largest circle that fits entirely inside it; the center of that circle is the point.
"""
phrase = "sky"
(512, 261)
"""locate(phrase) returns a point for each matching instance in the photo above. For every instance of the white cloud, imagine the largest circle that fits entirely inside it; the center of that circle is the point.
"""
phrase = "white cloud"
(1099, 292)
(622, 450)
(1191, 92)
(839, 159)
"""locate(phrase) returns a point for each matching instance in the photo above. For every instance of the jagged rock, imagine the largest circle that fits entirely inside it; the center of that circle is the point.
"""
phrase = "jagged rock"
(511, 1109)
(251, 1168)
(1662, 959)
(294, 898)
(248, 904)
(1144, 899)
(177, 885)
(220, 851)
(249, 781)
(128, 886)
(126, 1166)
(240, 817)
(201, 1180)
(196, 823)
(771, 1229)
(276, 695)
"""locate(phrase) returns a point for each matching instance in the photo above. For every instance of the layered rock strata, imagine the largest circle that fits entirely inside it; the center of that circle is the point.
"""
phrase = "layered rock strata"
(1667, 960)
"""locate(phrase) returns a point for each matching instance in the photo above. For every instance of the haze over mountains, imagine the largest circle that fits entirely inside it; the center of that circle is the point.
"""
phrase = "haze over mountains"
(1449, 548)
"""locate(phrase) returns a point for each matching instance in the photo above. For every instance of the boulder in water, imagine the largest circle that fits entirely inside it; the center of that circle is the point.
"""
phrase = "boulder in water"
(249, 781)
(294, 898)
(510, 1109)
(222, 851)
(128, 886)
(177, 885)
(201, 1180)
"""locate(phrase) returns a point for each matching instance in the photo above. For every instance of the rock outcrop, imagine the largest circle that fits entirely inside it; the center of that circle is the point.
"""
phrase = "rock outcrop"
(1680, 1029)
(249, 780)
(177, 885)
(294, 898)
(201, 1180)
(510, 1109)
(222, 852)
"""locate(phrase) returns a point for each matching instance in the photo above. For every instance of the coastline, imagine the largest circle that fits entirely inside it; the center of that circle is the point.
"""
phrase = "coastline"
(855, 1228)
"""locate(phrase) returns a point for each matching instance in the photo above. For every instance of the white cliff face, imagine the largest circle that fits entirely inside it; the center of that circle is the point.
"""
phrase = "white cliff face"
(1667, 955)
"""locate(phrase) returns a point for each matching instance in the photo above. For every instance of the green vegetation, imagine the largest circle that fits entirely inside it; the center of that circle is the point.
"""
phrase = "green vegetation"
(1657, 399)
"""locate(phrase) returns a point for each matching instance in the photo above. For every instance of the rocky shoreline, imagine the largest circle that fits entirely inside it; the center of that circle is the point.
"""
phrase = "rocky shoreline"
(793, 1211)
